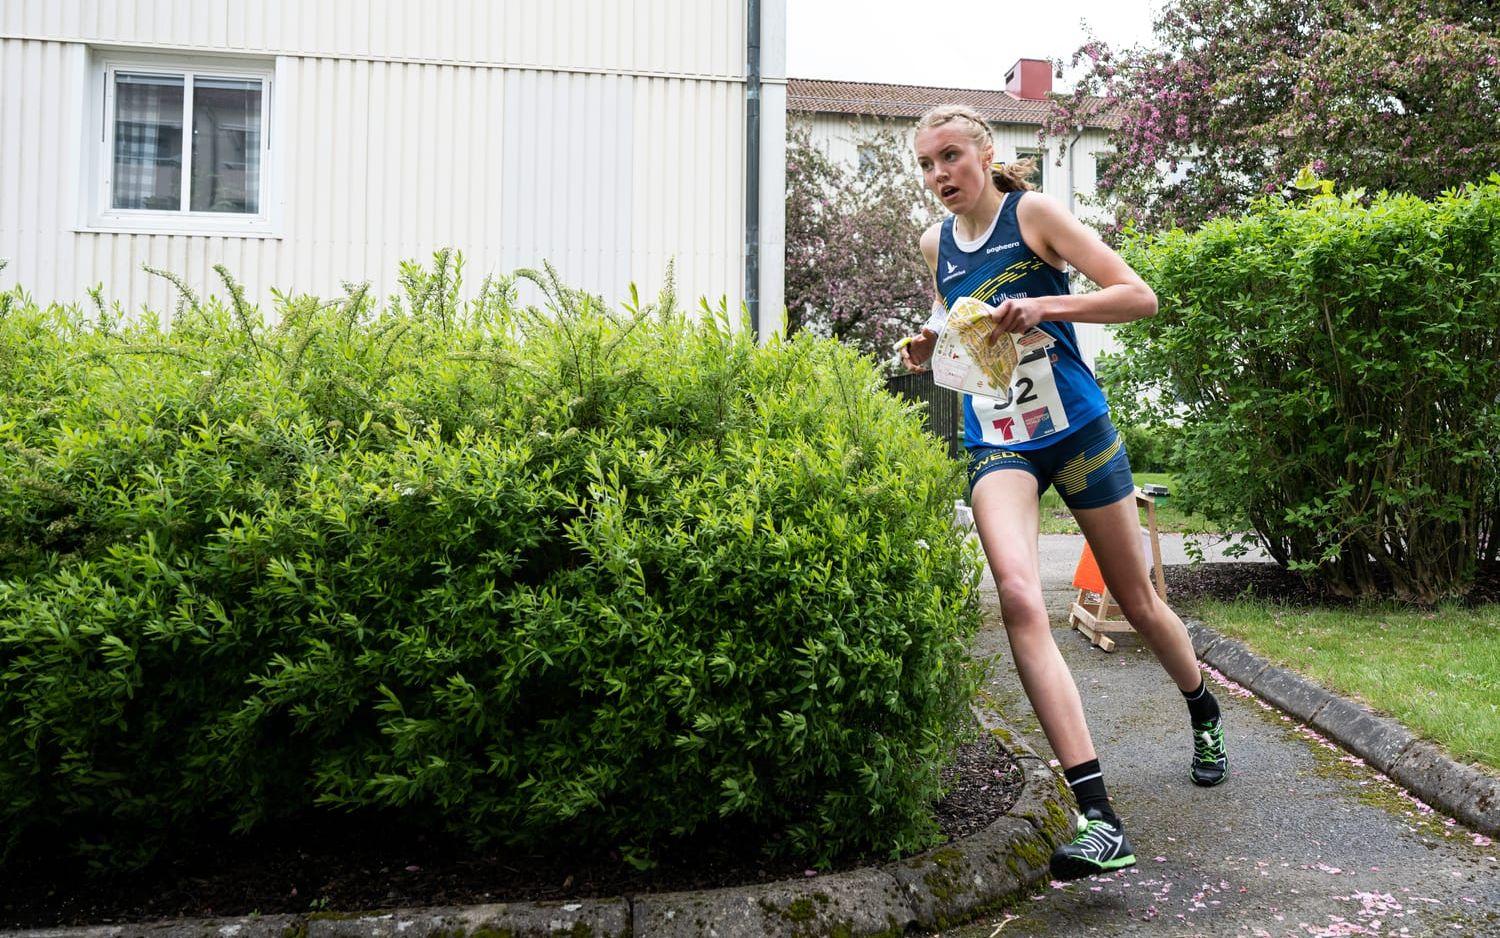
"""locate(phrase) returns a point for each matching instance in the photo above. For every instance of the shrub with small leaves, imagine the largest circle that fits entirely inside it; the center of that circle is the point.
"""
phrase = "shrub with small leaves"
(565, 576)
(1337, 367)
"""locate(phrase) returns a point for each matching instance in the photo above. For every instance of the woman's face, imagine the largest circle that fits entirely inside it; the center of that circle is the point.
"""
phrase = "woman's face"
(953, 166)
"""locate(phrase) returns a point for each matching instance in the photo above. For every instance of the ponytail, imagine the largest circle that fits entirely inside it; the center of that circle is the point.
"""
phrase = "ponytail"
(1013, 176)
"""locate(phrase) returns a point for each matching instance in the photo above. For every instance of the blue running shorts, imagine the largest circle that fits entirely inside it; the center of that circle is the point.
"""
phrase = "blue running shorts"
(1089, 466)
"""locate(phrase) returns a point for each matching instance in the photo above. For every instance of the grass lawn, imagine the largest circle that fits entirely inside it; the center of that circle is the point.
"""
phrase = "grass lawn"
(1437, 672)
(1056, 519)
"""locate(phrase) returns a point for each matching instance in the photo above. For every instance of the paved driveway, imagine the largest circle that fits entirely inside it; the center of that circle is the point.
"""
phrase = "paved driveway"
(1302, 840)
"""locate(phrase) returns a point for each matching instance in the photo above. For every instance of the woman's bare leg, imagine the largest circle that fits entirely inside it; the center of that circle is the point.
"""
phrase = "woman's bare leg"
(1007, 517)
(1114, 533)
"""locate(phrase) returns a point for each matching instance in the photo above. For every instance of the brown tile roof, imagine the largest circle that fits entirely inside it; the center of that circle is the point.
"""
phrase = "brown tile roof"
(877, 100)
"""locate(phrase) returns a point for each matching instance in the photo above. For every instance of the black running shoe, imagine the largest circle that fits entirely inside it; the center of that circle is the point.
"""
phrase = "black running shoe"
(1210, 761)
(1099, 847)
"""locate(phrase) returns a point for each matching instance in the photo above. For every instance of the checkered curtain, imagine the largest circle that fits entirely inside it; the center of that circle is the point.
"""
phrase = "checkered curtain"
(148, 142)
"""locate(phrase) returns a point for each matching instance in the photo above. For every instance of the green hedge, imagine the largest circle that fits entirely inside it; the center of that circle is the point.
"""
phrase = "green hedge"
(560, 577)
(1153, 442)
(1336, 367)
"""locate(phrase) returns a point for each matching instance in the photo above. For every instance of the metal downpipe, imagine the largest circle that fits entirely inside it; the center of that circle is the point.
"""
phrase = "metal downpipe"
(752, 166)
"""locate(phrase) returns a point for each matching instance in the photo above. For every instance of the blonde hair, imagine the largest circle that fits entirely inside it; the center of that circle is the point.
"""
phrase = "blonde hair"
(1008, 177)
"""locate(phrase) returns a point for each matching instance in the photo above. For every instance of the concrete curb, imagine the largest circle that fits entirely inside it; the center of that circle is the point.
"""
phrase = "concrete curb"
(1460, 791)
(941, 887)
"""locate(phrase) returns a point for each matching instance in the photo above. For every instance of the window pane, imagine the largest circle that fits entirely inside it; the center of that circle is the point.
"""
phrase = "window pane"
(1039, 175)
(148, 142)
(226, 145)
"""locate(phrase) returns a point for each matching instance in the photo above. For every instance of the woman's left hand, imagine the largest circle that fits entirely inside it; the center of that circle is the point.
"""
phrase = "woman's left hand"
(1017, 314)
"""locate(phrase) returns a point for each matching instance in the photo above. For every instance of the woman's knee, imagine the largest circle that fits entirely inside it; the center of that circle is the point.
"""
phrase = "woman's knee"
(1021, 602)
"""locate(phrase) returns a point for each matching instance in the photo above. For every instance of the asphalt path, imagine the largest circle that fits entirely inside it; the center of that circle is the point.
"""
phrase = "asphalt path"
(1304, 839)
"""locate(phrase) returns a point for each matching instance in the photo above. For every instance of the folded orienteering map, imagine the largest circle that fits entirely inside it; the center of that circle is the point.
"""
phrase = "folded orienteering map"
(1013, 389)
(971, 355)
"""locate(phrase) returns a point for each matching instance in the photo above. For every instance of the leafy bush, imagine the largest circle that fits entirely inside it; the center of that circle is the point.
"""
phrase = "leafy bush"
(1153, 440)
(1337, 367)
(541, 577)
(1151, 448)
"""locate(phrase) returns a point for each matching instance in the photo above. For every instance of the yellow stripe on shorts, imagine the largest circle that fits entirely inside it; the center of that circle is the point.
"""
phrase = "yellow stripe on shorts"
(1073, 477)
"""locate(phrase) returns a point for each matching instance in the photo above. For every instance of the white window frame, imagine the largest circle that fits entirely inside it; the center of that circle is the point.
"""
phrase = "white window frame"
(100, 215)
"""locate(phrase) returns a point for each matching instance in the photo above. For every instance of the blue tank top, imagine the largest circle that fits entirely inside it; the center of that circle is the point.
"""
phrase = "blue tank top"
(1053, 392)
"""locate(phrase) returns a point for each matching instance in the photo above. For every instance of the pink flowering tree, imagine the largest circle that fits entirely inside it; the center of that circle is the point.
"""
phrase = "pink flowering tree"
(854, 270)
(1235, 96)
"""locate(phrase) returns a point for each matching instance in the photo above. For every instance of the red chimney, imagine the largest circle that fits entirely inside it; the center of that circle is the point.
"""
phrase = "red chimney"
(1029, 78)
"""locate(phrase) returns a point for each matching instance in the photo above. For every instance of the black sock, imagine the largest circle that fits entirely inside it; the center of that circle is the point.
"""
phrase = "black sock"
(1203, 707)
(1087, 782)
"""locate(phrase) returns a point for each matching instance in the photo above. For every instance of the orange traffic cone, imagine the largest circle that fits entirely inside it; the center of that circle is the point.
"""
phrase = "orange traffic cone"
(1091, 615)
(1087, 575)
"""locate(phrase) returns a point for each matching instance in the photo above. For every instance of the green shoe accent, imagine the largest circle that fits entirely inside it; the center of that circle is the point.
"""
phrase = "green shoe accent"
(1099, 847)
(1210, 760)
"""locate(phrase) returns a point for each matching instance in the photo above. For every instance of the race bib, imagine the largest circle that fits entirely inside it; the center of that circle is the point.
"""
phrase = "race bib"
(1009, 379)
(1033, 408)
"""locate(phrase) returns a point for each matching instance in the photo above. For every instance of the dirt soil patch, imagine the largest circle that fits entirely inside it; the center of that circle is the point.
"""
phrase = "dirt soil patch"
(348, 865)
(1189, 584)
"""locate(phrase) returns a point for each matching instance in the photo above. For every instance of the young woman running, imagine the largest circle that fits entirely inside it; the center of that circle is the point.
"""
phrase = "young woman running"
(1008, 247)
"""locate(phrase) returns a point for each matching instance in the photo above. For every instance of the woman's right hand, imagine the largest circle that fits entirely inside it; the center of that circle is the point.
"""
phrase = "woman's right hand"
(916, 350)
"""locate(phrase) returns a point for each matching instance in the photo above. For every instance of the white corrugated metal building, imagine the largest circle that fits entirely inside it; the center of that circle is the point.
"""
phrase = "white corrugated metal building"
(842, 114)
(331, 139)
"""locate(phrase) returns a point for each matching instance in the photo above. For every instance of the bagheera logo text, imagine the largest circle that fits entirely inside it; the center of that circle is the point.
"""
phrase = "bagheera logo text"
(1002, 247)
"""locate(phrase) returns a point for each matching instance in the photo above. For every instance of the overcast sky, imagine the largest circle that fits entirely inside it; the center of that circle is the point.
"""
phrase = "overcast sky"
(950, 43)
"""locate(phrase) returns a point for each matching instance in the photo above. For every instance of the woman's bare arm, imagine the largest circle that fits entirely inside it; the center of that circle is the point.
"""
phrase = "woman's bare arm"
(1059, 237)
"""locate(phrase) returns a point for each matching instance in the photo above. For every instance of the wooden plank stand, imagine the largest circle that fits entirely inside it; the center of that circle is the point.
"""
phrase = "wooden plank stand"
(1095, 612)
